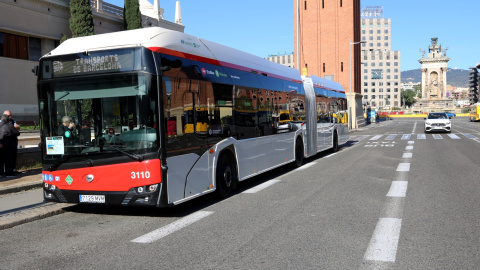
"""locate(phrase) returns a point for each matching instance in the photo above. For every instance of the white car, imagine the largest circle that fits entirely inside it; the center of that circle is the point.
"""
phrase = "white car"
(437, 121)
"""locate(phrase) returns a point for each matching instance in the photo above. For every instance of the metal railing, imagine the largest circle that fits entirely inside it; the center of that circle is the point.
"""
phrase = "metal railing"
(104, 7)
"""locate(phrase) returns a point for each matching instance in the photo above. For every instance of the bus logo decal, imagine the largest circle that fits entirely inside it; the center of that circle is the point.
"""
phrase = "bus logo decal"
(69, 180)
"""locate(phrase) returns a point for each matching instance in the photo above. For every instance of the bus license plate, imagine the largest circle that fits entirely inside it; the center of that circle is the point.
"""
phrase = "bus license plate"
(92, 198)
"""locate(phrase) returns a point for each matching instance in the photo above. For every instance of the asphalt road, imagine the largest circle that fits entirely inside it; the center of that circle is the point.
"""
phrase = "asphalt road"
(391, 198)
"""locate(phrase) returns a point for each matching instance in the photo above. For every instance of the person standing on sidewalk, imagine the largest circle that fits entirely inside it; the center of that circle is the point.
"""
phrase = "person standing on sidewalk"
(8, 138)
(17, 127)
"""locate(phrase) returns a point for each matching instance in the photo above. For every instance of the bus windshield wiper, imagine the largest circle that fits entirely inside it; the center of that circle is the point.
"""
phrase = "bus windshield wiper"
(132, 156)
(58, 163)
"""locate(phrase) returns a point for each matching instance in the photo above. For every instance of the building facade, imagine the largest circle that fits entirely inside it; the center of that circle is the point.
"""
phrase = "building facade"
(286, 59)
(381, 74)
(326, 45)
(30, 29)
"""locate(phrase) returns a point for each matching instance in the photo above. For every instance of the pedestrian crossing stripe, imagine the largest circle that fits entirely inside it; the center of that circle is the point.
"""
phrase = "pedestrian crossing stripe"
(385, 139)
(391, 137)
(453, 136)
(470, 136)
(374, 138)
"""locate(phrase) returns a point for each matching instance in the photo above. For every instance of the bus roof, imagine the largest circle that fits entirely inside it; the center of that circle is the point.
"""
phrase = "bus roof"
(178, 44)
(326, 84)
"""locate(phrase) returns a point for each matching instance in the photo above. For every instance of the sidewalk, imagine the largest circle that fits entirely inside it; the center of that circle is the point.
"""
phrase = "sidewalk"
(24, 181)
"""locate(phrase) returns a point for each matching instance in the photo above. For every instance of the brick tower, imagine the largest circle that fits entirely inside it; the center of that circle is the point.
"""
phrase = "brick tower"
(328, 34)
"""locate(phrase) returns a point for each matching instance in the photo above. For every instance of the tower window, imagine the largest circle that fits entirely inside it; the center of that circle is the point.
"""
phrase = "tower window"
(323, 67)
(305, 5)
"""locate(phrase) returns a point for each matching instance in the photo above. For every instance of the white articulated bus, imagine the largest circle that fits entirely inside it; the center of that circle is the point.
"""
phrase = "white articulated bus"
(155, 117)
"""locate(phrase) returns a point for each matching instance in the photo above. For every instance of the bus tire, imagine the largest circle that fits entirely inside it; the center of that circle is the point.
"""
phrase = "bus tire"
(298, 153)
(225, 175)
(335, 142)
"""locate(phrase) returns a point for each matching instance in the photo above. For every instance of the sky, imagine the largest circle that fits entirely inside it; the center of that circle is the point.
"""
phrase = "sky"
(265, 27)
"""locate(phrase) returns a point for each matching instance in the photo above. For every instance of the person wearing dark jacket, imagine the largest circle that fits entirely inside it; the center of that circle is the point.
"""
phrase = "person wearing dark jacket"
(8, 138)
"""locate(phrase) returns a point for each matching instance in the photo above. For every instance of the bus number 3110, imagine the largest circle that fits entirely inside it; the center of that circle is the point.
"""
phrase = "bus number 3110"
(140, 175)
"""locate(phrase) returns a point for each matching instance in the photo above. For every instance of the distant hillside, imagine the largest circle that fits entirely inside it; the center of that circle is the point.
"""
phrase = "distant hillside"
(455, 77)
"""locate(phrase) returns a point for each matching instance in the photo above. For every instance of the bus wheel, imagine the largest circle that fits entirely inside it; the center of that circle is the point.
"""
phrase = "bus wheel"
(298, 153)
(225, 176)
(335, 142)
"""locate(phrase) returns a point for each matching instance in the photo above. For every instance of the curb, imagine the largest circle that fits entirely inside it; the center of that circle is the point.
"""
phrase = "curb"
(41, 212)
(20, 187)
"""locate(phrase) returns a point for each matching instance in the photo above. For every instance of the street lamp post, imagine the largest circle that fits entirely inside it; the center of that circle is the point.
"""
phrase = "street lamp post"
(350, 87)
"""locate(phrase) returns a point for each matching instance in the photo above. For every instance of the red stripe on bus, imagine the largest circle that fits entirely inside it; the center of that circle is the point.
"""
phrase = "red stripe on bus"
(215, 62)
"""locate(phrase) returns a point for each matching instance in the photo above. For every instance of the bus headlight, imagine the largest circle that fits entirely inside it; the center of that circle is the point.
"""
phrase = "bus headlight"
(152, 188)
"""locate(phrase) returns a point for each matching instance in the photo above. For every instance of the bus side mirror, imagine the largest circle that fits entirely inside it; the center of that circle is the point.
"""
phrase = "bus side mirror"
(35, 70)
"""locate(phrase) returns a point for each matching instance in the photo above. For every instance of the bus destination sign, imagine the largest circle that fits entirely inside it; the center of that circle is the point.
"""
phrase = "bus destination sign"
(94, 63)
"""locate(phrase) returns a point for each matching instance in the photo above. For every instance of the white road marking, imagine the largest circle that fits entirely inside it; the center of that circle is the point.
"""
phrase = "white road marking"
(391, 137)
(384, 242)
(411, 142)
(374, 138)
(261, 186)
(470, 136)
(327, 156)
(306, 166)
(409, 147)
(398, 189)
(421, 137)
(453, 136)
(171, 228)
(407, 155)
(403, 167)
(437, 136)
(406, 136)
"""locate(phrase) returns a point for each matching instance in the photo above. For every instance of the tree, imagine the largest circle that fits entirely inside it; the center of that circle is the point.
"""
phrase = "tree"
(132, 19)
(81, 18)
(408, 97)
(64, 38)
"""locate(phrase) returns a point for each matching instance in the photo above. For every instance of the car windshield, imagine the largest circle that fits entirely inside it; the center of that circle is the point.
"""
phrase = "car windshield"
(437, 116)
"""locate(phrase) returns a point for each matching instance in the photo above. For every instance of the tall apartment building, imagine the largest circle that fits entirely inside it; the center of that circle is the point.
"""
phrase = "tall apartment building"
(328, 33)
(381, 74)
(285, 59)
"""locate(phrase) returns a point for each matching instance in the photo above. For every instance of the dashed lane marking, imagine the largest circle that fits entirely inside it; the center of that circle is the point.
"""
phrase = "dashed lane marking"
(261, 186)
(310, 164)
(384, 242)
(398, 189)
(376, 137)
(171, 228)
(407, 155)
(403, 167)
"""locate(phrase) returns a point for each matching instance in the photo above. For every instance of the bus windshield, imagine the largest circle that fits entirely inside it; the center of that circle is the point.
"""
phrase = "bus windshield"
(98, 117)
